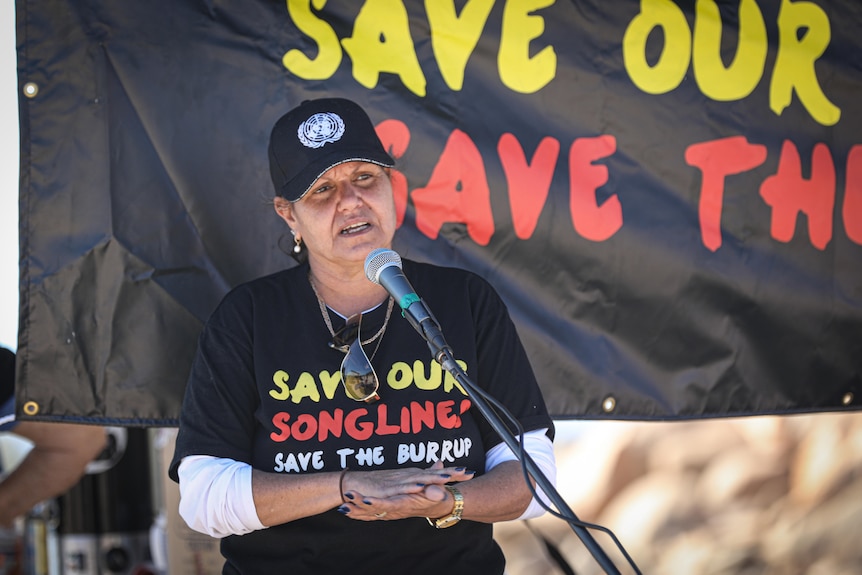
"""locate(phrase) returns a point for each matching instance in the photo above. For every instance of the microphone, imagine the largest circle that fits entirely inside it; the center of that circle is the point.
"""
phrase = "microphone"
(383, 267)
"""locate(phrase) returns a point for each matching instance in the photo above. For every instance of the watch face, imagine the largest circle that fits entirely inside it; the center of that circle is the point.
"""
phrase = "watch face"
(453, 517)
(447, 522)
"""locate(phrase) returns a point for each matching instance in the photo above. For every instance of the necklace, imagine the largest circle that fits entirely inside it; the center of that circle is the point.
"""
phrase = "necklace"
(328, 322)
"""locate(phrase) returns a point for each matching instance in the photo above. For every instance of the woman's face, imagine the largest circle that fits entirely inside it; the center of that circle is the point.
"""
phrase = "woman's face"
(349, 211)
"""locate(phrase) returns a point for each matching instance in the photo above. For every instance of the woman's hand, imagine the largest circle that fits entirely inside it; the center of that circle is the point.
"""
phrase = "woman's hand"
(401, 493)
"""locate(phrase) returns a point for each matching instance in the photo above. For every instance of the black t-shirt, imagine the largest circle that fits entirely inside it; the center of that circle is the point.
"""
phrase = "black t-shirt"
(265, 389)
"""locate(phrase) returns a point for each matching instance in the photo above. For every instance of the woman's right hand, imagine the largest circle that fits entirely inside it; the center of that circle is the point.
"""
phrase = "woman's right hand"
(399, 493)
(358, 485)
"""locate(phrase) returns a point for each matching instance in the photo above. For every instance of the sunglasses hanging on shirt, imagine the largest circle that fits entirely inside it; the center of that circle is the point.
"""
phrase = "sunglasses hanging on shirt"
(357, 374)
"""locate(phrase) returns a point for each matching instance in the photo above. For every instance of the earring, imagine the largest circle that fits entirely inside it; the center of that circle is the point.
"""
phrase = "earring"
(297, 247)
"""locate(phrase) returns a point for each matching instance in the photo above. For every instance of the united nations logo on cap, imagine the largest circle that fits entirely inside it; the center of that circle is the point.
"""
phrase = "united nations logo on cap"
(321, 129)
(298, 153)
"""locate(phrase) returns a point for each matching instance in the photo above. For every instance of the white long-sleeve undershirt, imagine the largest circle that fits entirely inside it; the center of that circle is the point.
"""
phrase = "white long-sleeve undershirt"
(216, 494)
(216, 497)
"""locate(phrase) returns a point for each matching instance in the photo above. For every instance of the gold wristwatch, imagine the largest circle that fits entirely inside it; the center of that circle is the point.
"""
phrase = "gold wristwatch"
(455, 516)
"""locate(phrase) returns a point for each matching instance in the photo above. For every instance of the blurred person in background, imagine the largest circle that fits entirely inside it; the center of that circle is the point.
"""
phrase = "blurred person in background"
(56, 461)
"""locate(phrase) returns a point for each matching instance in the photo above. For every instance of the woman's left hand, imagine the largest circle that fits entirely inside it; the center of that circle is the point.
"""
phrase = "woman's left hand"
(432, 501)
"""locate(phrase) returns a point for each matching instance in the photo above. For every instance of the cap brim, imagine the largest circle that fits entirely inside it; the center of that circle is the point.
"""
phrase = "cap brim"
(296, 188)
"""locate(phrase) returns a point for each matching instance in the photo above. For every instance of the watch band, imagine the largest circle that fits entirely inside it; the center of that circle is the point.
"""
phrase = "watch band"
(455, 516)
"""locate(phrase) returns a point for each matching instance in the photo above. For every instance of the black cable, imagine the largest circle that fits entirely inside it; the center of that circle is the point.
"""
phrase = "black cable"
(519, 431)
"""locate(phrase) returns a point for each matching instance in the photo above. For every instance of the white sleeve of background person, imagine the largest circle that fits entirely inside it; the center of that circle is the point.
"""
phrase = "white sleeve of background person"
(541, 450)
(215, 496)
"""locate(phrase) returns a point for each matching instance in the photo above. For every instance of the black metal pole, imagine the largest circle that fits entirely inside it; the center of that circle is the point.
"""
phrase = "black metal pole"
(449, 364)
(440, 351)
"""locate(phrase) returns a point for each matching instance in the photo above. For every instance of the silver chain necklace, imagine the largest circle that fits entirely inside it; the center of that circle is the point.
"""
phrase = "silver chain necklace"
(328, 322)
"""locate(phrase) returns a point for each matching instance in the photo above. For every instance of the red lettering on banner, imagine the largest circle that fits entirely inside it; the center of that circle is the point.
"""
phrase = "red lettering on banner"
(529, 182)
(361, 424)
(717, 160)
(788, 193)
(456, 192)
(593, 222)
(458, 189)
(852, 209)
(396, 138)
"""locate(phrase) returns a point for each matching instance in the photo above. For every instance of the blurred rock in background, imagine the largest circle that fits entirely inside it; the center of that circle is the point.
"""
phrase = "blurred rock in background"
(746, 496)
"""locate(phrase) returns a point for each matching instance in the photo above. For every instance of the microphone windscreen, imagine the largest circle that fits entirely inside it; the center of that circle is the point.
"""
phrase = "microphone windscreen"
(378, 260)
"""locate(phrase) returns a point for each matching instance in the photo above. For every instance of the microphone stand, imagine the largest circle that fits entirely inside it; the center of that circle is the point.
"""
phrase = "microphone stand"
(442, 353)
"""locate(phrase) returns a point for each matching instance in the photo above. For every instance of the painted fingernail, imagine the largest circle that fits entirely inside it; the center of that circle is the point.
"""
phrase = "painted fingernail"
(420, 485)
(445, 475)
(469, 472)
(344, 509)
(349, 496)
(365, 501)
(460, 469)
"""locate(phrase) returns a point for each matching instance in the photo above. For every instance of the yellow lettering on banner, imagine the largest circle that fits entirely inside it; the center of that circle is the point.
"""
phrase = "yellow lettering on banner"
(803, 35)
(519, 71)
(381, 42)
(794, 66)
(454, 37)
(328, 49)
(672, 65)
(740, 78)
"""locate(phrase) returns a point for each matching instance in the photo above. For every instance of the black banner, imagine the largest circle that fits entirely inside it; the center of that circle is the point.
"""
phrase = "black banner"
(668, 195)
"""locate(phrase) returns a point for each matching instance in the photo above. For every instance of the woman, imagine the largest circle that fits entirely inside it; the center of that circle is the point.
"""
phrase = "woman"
(301, 473)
